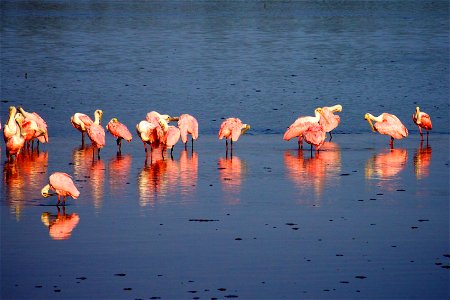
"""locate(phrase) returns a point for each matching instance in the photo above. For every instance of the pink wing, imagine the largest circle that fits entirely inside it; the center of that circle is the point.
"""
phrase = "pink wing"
(172, 136)
(63, 185)
(86, 120)
(425, 121)
(228, 128)
(97, 135)
(298, 127)
(118, 129)
(40, 123)
(315, 135)
(188, 125)
(391, 126)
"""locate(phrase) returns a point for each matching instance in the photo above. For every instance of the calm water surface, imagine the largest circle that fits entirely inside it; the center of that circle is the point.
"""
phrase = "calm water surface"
(356, 220)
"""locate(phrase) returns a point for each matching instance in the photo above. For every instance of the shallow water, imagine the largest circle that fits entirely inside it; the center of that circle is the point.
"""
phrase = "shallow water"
(356, 220)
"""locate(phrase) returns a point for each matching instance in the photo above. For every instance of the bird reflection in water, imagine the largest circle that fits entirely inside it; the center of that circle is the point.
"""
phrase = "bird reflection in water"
(161, 177)
(23, 177)
(312, 172)
(386, 166)
(232, 171)
(422, 161)
(61, 225)
(92, 171)
(119, 171)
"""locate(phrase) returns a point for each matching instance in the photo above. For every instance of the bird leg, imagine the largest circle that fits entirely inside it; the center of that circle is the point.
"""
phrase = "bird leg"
(171, 153)
(82, 139)
(192, 144)
(392, 143)
(421, 134)
(185, 146)
(98, 153)
(59, 200)
(427, 137)
(300, 142)
(331, 136)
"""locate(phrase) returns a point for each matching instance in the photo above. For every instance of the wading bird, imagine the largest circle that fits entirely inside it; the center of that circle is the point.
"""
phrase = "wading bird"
(96, 133)
(62, 185)
(422, 120)
(387, 124)
(119, 131)
(150, 134)
(10, 127)
(300, 125)
(15, 143)
(81, 122)
(42, 135)
(188, 125)
(328, 119)
(315, 135)
(232, 128)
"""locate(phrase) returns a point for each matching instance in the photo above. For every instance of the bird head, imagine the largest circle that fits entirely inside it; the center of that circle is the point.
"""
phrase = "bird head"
(245, 128)
(44, 191)
(337, 108)
(114, 120)
(368, 118)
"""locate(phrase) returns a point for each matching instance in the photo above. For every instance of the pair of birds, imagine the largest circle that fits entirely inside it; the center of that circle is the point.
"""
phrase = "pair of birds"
(154, 130)
(21, 129)
(313, 129)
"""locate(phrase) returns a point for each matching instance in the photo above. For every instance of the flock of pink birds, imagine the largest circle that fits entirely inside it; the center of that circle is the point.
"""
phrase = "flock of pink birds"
(23, 128)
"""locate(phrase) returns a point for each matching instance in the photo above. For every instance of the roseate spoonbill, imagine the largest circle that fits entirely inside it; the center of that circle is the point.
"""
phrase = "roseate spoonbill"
(315, 135)
(15, 143)
(171, 137)
(96, 133)
(29, 129)
(157, 118)
(42, 125)
(10, 127)
(232, 128)
(149, 133)
(422, 120)
(188, 125)
(387, 124)
(81, 122)
(62, 185)
(118, 131)
(299, 126)
(328, 119)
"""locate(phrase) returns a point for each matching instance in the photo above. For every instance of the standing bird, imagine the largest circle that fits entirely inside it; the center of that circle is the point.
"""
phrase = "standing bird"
(188, 125)
(15, 143)
(301, 125)
(171, 137)
(387, 124)
(422, 120)
(62, 185)
(10, 127)
(150, 134)
(96, 133)
(119, 131)
(328, 119)
(42, 125)
(29, 129)
(315, 135)
(81, 122)
(232, 128)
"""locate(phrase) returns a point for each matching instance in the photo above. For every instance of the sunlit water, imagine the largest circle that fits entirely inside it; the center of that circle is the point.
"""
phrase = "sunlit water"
(356, 220)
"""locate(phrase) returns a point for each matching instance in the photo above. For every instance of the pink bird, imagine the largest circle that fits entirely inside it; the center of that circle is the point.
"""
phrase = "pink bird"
(29, 129)
(15, 143)
(232, 128)
(422, 120)
(157, 119)
(315, 135)
(81, 122)
(328, 120)
(96, 133)
(10, 127)
(118, 131)
(387, 124)
(42, 135)
(171, 137)
(62, 185)
(188, 125)
(150, 134)
(301, 125)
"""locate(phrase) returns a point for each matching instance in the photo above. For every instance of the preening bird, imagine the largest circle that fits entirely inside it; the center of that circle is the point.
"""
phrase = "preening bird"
(328, 119)
(301, 125)
(42, 135)
(119, 131)
(315, 135)
(188, 125)
(387, 124)
(232, 128)
(81, 122)
(96, 133)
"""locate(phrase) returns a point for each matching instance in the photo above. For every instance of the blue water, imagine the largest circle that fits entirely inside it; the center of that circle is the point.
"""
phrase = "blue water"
(265, 62)
(356, 220)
